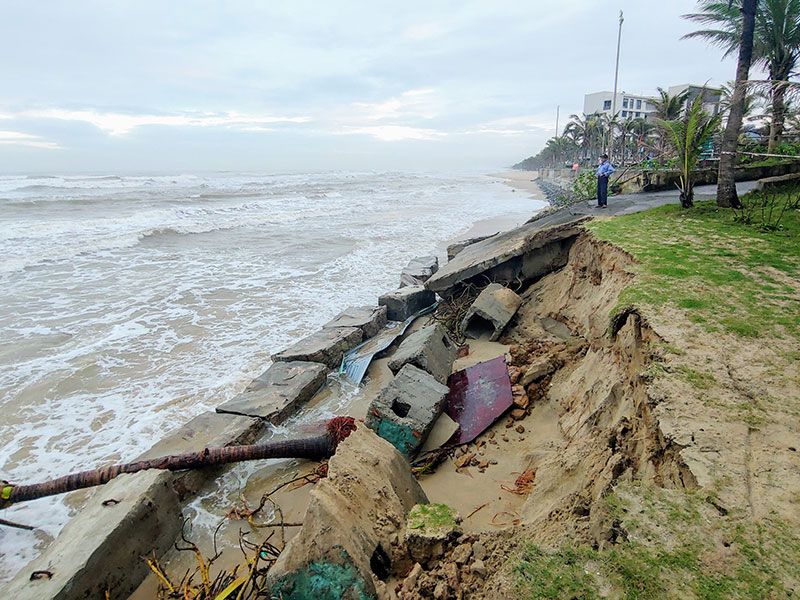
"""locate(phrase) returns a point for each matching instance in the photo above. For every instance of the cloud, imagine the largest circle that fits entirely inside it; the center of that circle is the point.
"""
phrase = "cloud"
(410, 104)
(117, 124)
(18, 138)
(394, 133)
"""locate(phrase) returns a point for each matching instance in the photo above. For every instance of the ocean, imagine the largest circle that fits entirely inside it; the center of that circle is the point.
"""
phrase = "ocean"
(130, 304)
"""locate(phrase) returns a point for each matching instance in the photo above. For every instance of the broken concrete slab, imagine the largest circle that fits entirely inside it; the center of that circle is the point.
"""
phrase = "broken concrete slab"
(101, 548)
(429, 349)
(345, 544)
(495, 306)
(401, 304)
(454, 249)
(206, 430)
(405, 411)
(419, 270)
(279, 391)
(527, 252)
(326, 346)
(369, 319)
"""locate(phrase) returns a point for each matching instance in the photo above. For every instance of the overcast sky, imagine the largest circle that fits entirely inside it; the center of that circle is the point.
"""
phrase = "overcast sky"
(179, 85)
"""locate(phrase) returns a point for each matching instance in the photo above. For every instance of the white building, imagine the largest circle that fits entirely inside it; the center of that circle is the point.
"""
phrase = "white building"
(628, 105)
(635, 106)
(711, 97)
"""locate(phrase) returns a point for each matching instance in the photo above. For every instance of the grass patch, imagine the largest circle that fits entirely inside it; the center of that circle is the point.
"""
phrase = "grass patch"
(726, 275)
(711, 558)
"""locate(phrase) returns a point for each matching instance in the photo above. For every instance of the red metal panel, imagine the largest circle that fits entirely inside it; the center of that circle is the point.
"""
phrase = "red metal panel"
(479, 395)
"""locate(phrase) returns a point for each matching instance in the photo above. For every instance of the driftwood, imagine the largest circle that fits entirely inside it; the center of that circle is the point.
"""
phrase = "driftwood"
(315, 448)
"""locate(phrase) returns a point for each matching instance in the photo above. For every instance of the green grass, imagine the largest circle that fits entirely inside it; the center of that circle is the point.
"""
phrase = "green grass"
(727, 276)
(711, 557)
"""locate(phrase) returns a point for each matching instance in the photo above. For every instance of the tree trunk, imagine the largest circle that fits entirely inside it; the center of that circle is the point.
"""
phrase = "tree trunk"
(778, 115)
(726, 184)
(315, 448)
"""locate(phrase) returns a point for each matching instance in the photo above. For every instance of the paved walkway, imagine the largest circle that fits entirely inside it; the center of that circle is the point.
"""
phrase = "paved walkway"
(549, 231)
(625, 204)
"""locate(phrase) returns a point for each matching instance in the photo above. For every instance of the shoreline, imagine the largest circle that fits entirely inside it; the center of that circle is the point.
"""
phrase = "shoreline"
(381, 375)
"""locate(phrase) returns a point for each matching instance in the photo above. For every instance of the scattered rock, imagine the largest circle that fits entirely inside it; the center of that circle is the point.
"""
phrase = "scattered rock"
(478, 568)
(478, 550)
(464, 460)
(514, 373)
(520, 429)
(538, 369)
(518, 414)
(520, 396)
(462, 553)
(411, 581)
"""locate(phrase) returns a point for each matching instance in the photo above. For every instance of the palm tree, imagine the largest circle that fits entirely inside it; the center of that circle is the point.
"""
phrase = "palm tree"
(668, 108)
(687, 136)
(585, 130)
(776, 43)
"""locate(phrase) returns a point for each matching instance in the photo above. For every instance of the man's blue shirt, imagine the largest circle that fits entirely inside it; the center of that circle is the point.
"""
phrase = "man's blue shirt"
(605, 169)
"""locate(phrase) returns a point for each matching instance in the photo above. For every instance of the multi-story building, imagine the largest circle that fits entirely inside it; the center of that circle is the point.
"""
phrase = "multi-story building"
(635, 106)
(711, 96)
(628, 105)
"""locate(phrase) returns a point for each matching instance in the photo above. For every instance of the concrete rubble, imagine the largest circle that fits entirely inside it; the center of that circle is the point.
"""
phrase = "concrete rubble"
(429, 349)
(279, 391)
(134, 514)
(405, 411)
(370, 488)
(405, 302)
(527, 252)
(369, 319)
(326, 346)
(418, 270)
(495, 305)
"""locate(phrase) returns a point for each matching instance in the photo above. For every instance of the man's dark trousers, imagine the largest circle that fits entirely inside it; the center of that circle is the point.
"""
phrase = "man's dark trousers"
(602, 191)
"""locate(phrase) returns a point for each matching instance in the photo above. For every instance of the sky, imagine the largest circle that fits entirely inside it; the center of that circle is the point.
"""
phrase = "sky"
(113, 86)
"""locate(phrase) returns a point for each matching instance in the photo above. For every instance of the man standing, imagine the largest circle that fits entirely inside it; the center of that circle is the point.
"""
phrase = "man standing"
(604, 170)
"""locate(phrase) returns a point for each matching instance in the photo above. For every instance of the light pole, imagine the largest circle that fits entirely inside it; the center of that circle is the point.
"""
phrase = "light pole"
(616, 79)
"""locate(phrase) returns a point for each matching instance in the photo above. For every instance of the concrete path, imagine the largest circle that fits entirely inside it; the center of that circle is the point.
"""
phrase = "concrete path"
(626, 204)
(539, 246)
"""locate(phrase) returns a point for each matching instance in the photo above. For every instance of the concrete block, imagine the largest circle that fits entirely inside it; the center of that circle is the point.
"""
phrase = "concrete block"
(419, 270)
(369, 319)
(326, 346)
(101, 548)
(429, 349)
(493, 309)
(345, 544)
(401, 304)
(405, 411)
(279, 391)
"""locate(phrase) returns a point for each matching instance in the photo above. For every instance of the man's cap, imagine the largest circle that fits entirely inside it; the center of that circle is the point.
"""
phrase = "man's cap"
(604, 156)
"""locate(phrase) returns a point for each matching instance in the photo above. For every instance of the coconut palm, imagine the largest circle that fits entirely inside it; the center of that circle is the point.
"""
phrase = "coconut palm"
(668, 108)
(776, 43)
(687, 137)
(587, 131)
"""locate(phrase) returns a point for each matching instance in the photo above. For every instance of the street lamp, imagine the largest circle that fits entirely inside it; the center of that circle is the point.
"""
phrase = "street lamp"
(616, 79)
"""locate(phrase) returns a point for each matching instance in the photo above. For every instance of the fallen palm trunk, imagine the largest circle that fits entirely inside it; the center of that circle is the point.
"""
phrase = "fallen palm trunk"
(315, 448)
